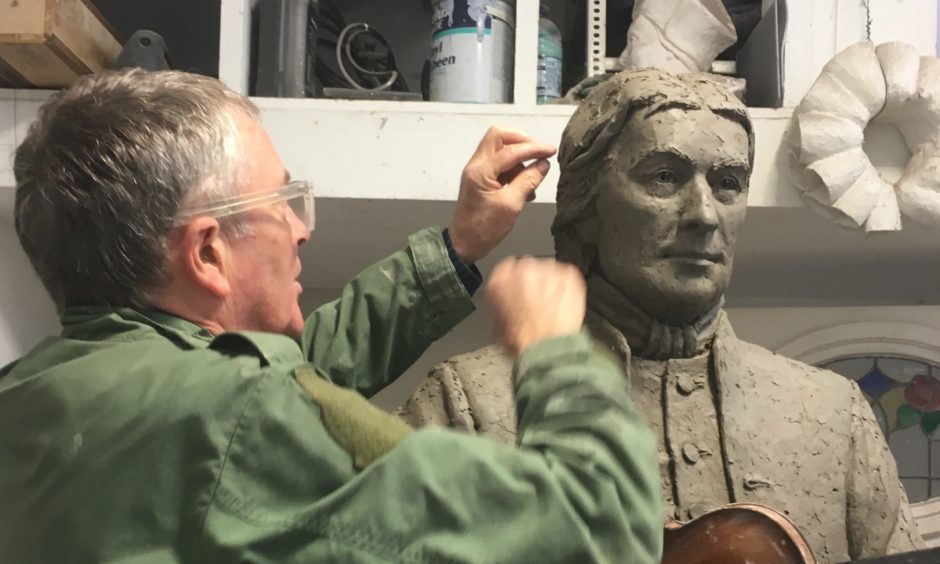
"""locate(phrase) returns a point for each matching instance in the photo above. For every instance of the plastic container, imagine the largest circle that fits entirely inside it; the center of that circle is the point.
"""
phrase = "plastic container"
(472, 51)
(548, 81)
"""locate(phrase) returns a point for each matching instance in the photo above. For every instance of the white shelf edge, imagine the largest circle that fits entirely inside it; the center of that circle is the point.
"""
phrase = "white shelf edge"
(431, 108)
(322, 104)
(414, 150)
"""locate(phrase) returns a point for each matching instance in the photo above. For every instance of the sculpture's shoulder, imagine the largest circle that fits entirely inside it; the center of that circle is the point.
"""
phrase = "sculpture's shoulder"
(483, 365)
(789, 420)
(472, 391)
(814, 384)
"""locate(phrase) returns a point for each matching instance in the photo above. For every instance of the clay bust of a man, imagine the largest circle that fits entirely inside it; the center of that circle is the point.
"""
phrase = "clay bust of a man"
(652, 193)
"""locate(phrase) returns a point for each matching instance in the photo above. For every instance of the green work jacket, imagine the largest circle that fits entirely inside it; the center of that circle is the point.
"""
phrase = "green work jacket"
(136, 436)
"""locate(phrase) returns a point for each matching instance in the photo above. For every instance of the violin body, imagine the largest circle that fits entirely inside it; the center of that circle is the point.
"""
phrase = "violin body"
(738, 533)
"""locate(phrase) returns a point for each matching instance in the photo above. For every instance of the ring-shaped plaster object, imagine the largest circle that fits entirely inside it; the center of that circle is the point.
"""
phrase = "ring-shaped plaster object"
(891, 84)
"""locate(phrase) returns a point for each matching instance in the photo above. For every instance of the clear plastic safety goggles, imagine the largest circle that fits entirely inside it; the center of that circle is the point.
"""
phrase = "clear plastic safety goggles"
(298, 196)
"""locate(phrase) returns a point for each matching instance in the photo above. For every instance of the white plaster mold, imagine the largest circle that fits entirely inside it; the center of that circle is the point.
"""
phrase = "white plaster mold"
(890, 84)
(677, 36)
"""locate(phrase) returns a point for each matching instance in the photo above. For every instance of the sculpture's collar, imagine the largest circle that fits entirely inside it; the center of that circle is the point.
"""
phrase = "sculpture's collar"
(648, 337)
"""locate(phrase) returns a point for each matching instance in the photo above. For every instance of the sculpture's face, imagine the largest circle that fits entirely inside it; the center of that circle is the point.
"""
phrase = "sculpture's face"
(670, 199)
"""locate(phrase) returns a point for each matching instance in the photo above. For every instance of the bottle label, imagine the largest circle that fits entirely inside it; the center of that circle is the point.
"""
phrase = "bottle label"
(549, 77)
(472, 51)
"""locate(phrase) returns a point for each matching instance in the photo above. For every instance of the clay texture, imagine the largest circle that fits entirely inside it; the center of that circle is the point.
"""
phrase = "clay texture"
(795, 438)
(653, 188)
(889, 84)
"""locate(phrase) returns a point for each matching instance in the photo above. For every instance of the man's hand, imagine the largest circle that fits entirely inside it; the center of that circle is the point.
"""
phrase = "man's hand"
(494, 187)
(535, 299)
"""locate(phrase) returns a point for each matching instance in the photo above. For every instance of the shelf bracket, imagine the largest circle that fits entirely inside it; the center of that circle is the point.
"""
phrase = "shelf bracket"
(596, 37)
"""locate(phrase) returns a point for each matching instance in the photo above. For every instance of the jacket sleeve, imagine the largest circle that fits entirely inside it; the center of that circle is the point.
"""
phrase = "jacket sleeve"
(581, 486)
(879, 518)
(387, 316)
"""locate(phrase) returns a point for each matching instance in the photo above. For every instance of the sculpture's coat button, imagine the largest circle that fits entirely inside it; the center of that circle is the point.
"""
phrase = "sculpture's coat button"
(685, 383)
(663, 460)
(690, 453)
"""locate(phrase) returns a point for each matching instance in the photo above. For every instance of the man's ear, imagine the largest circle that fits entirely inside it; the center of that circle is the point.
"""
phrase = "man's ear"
(204, 256)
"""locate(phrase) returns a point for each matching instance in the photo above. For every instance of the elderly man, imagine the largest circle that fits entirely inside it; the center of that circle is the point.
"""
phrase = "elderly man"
(653, 190)
(188, 412)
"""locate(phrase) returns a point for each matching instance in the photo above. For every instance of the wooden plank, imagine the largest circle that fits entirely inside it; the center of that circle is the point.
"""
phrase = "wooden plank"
(27, 18)
(90, 5)
(81, 32)
(67, 56)
(54, 42)
(9, 78)
(38, 65)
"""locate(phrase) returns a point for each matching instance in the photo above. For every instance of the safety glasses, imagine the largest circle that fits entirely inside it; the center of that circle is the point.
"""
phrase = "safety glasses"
(298, 196)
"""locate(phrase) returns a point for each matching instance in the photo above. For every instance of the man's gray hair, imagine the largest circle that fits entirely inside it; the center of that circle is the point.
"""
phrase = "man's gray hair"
(104, 170)
(600, 118)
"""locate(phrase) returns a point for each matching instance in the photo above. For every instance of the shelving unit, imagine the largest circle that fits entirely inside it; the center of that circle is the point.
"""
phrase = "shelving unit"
(385, 169)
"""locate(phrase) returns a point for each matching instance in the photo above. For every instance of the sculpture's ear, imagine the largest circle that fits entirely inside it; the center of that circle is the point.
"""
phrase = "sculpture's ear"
(582, 244)
(587, 230)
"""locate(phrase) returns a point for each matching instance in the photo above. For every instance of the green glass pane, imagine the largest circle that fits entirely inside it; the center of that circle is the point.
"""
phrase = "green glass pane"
(907, 416)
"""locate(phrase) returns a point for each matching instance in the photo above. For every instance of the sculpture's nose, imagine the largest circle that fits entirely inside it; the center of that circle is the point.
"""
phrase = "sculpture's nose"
(699, 212)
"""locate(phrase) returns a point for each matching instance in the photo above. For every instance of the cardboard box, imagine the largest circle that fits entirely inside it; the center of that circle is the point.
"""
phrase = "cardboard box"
(49, 43)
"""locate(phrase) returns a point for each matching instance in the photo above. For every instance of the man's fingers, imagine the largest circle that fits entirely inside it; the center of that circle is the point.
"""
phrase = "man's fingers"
(497, 137)
(534, 299)
(506, 177)
(498, 277)
(524, 184)
(512, 136)
(513, 155)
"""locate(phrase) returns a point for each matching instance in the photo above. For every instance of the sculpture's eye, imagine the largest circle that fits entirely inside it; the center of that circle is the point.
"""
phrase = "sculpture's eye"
(730, 183)
(665, 176)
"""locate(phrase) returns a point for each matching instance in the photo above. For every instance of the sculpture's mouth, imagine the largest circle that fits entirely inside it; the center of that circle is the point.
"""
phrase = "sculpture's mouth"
(694, 256)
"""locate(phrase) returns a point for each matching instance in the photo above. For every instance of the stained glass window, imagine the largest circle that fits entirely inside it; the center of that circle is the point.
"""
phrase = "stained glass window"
(905, 396)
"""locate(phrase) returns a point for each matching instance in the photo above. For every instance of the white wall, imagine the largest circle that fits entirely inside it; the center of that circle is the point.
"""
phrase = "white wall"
(818, 29)
(26, 311)
(774, 328)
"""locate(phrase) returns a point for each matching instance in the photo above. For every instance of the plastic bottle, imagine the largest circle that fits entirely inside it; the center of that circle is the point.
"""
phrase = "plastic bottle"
(548, 85)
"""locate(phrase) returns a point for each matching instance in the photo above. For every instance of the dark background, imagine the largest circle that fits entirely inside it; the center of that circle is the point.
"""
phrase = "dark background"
(190, 28)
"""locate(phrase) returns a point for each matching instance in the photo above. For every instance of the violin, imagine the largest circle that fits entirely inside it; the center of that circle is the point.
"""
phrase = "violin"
(742, 533)
(737, 533)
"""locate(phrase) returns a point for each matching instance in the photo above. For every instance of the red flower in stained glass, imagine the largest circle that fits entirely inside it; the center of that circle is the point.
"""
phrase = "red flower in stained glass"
(923, 392)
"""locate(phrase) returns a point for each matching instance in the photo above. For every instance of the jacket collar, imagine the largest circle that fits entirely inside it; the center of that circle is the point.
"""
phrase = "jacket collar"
(107, 323)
